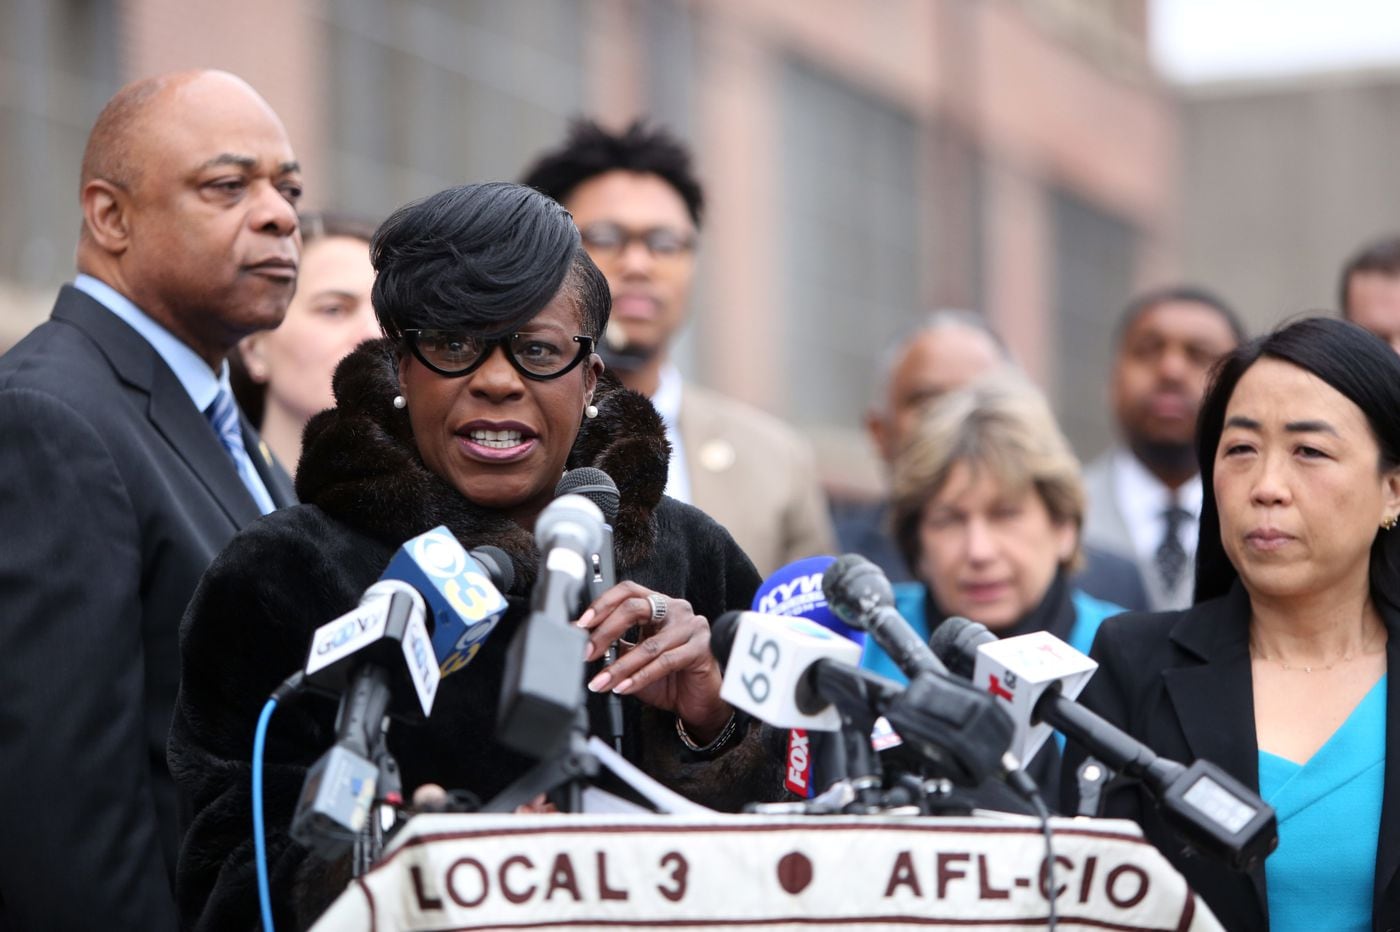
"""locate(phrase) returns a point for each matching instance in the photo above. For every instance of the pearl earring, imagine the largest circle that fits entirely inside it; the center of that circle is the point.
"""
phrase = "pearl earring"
(399, 402)
(591, 411)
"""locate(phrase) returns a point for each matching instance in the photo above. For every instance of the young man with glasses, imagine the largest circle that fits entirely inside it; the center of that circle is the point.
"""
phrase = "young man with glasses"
(638, 207)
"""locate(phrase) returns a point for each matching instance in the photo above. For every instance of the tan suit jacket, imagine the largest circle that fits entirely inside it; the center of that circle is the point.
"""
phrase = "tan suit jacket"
(753, 474)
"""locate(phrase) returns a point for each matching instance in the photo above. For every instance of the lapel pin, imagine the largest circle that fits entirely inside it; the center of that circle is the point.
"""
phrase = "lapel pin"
(717, 455)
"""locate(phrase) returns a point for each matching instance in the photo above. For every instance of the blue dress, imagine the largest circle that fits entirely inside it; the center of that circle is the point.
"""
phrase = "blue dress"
(1329, 813)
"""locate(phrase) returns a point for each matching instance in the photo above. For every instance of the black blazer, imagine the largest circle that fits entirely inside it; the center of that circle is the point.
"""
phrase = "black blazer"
(116, 495)
(1181, 682)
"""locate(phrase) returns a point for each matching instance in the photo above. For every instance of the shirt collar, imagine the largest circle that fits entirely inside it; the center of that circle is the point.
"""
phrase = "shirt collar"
(667, 397)
(200, 382)
(1146, 496)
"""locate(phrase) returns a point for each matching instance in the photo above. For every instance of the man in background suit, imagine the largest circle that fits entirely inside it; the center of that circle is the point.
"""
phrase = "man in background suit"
(126, 469)
(638, 206)
(1145, 494)
(948, 349)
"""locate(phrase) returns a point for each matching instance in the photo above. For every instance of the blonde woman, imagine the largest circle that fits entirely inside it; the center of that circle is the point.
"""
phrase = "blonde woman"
(987, 510)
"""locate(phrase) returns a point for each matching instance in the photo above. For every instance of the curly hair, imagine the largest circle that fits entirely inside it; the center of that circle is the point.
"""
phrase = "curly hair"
(590, 150)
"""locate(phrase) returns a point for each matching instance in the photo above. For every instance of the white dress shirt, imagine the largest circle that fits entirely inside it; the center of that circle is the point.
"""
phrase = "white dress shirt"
(1143, 501)
(667, 401)
(199, 381)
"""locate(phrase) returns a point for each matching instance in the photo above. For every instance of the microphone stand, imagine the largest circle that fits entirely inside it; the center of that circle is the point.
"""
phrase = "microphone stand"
(562, 774)
(369, 843)
(862, 763)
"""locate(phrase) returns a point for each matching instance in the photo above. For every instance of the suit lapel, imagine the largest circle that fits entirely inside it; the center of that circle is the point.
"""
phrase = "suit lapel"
(707, 457)
(194, 440)
(169, 407)
(274, 476)
(1388, 849)
(1214, 700)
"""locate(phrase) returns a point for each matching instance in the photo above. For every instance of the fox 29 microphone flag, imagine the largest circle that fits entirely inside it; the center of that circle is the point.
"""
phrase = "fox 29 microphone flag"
(795, 590)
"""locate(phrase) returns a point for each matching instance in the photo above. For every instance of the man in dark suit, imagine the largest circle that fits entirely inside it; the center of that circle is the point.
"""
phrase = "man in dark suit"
(126, 469)
(1145, 493)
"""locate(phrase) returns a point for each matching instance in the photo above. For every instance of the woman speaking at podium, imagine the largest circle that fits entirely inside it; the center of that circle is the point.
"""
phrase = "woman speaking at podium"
(486, 389)
(1279, 673)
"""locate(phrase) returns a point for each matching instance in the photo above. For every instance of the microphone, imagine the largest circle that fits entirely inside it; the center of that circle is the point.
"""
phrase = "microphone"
(366, 652)
(772, 666)
(791, 673)
(426, 617)
(975, 733)
(860, 594)
(542, 689)
(461, 591)
(387, 630)
(795, 590)
(599, 488)
(1216, 814)
(1019, 671)
(568, 532)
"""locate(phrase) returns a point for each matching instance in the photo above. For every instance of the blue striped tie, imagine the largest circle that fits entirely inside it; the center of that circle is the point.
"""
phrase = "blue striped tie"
(223, 415)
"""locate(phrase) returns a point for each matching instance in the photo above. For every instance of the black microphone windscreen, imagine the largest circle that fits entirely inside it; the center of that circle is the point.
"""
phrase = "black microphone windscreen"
(854, 586)
(497, 564)
(955, 642)
(594, 485)
(722, 632)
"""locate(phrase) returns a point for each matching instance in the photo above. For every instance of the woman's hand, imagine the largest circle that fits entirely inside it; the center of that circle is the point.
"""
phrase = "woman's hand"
(671, 667)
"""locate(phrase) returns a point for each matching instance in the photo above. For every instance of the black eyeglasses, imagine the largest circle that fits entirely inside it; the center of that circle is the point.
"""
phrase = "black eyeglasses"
(611, 240)
(538, 356)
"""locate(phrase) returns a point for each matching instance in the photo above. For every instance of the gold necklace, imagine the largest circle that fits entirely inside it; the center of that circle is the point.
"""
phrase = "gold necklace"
(1348, 657)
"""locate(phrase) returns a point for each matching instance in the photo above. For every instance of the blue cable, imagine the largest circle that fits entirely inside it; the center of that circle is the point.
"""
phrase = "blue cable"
(259, 841)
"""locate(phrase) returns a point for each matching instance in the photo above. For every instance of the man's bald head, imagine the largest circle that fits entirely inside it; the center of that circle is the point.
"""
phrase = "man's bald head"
(189, 193)
(946, 350)
(109, 153)
(115, 146)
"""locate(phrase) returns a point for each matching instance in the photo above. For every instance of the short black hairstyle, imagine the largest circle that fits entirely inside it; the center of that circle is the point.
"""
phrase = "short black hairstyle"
(1381, 256)
(1354, 362)
(590, 150)
(315, 225)
(482, 257)
(1191, 294)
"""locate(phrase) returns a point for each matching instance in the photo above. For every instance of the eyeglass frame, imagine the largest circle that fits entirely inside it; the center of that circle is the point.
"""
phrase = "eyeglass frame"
(411, 336)
(686, 242)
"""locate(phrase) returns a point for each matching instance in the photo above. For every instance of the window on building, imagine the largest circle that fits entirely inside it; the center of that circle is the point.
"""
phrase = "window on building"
(424, 94)
(1095, 254)
(850, 234)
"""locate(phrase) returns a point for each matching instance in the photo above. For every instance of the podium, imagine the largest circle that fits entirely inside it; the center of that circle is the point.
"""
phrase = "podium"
(684, 872)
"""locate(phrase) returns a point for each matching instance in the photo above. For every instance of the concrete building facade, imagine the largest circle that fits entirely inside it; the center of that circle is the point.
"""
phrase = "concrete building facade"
(864, 159)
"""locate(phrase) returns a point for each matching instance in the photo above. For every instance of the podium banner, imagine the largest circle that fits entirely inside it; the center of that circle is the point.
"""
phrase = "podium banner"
(691, 872)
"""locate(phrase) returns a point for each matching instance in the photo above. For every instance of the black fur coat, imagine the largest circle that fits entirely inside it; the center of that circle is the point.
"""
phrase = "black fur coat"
(366, 491)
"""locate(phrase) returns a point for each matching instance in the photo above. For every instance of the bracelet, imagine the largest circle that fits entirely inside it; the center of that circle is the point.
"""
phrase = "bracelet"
(721, 739)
